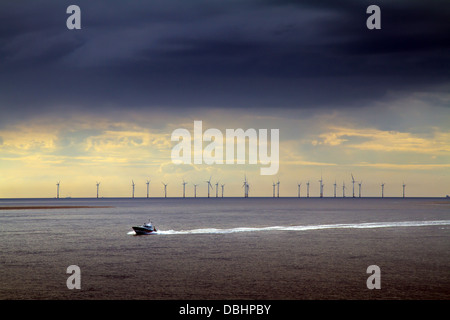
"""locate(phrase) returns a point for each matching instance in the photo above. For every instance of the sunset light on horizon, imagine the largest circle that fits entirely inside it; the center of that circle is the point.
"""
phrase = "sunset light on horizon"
(100, 103)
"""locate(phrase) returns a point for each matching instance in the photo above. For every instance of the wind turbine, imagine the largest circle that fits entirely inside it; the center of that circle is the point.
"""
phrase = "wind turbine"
(299, 185)
(184, 187)
(273, 184)
(217, 189)
(307, 189)
(195, 190)
(353, 182)
(132, 184)
(57, 189)
(359, 185)
(165, 189)
(222, 185)
(209, 185)
(334, 188)
(404, 185)
(148, 185)
(343, 189)
(278, 188)
(321, 187)
(245, 186)
(98, 184)
(382, 189)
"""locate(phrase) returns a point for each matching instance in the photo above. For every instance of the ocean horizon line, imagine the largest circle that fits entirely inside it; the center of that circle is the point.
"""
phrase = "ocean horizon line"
(229, 197)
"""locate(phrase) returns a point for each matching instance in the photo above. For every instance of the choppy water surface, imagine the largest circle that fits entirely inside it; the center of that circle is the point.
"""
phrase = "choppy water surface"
(231, 248)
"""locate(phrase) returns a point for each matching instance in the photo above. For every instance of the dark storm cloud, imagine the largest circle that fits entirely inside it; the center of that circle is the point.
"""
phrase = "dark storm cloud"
(233, 54)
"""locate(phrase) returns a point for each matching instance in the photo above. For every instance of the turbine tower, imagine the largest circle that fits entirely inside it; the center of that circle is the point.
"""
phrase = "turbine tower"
(245, 186)
(222, 185)
(184, 188)
(321, 187)
(343, 189)
(382, 190)
(248, 188)
(299, 185)
(165, 189)
(334, 188)
(217, 189)
(209, 185)
(132, 184)
(353, 182)
(404, 185)
(273, 185)
(359, 185)
(195, 190)
(148, 186)
(57, 189)
(307, 189)
(98, 184)
(278, 188)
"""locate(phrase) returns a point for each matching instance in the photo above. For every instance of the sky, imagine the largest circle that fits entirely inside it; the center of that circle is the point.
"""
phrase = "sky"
(99, 104)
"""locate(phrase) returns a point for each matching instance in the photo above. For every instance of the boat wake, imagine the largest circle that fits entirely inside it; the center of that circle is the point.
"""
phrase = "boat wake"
(369, 225)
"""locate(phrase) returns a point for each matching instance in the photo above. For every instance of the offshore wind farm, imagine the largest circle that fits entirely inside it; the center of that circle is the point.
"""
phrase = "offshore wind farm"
(400, 192)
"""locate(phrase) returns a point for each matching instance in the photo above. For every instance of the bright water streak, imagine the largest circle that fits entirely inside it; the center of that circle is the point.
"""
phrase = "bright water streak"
(308, 227)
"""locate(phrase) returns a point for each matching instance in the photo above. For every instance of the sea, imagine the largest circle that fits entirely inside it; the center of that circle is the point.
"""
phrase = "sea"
(225, 249)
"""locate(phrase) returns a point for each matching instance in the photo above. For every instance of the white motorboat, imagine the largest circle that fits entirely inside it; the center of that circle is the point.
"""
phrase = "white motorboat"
(146, 228)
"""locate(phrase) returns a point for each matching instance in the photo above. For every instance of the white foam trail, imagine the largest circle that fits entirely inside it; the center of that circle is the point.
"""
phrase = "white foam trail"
(312, 227)
(133, 233)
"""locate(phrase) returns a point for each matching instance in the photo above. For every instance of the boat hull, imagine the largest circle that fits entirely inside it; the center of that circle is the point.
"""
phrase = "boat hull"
(143, 231)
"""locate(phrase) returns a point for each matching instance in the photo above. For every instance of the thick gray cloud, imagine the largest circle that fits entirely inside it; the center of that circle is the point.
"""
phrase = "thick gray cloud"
(176, 54)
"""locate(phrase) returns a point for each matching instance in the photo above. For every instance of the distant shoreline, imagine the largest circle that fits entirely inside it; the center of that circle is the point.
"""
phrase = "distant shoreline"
(51, 207)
